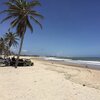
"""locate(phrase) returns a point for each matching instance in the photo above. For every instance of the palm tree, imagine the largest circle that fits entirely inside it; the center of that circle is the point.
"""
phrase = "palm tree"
(21, 12)
(11, 39)
(2, 45)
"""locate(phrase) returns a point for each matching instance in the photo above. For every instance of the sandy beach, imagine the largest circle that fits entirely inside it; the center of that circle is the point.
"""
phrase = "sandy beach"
(60, 60)
(49, 81)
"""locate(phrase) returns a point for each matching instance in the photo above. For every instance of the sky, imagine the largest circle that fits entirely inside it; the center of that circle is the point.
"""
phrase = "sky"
(70, 28)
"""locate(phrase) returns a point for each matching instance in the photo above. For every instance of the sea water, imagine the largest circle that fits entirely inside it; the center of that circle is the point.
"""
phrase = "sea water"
(90, 62)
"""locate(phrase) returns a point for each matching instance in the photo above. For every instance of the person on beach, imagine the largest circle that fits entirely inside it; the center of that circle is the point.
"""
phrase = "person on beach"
(13, 61)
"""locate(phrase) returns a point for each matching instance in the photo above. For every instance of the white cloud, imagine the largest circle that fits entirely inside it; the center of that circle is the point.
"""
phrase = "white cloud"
(13, 49)
(17, 49)
(24, 51)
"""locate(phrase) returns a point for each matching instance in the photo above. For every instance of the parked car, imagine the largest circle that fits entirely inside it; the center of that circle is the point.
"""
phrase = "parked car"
(21, 62)
(2, 60)
(28, 62)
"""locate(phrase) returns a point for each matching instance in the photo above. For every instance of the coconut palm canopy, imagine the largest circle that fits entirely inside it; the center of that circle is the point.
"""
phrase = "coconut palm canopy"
(11, 39)
(21, 12)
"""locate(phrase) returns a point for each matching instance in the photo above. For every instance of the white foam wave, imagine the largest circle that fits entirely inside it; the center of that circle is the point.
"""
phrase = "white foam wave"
(97, 63)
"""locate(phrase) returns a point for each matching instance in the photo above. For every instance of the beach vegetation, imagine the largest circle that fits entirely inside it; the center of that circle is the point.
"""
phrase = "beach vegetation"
(7, 41)
(22, 13)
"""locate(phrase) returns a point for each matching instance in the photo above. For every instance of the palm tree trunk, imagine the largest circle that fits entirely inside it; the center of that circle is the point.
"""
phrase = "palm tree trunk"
(4, 54)
(21, 43)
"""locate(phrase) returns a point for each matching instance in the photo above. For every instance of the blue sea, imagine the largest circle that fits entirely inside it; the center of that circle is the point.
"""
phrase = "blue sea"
(90, 62)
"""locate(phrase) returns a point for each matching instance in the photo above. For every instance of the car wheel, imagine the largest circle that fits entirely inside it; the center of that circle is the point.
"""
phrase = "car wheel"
(31, 64)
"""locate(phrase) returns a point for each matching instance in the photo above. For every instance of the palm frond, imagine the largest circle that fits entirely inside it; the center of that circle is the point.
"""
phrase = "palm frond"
(11, 39)
(36, 14)
(33, 4)
(29, 25)
(36, 21)
(14, 22)
(8, 17)
(4, 11)
(12, 4)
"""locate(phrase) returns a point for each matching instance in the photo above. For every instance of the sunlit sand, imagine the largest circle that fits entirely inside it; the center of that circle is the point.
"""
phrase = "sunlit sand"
(49, 81)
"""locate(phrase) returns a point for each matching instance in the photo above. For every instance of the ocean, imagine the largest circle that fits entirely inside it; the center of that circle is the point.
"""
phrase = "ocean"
(90, 62)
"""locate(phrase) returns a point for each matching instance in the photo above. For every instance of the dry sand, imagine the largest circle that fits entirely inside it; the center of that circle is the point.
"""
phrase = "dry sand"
(47, 81)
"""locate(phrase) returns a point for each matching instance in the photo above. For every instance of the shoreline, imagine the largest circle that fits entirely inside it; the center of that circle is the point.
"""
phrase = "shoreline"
(68, 64)
(65, 69)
